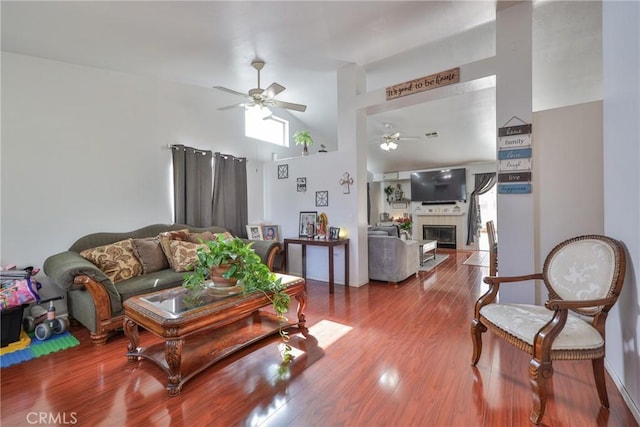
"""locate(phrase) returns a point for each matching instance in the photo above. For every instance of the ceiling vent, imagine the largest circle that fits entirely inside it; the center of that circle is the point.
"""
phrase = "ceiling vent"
(431, 134)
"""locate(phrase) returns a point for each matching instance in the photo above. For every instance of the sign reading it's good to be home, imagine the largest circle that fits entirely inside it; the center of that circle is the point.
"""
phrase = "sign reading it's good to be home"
(432, 81)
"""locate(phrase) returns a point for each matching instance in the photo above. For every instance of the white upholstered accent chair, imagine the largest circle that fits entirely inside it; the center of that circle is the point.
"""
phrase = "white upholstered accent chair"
(583, 276)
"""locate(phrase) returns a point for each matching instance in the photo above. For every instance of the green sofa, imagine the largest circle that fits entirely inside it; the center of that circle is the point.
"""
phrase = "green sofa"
(92, 297)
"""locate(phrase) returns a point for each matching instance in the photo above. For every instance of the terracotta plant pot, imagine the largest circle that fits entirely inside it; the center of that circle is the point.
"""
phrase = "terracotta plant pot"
(218, 280)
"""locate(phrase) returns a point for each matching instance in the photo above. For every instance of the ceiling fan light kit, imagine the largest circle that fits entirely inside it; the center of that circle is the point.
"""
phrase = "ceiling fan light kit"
(262, 98)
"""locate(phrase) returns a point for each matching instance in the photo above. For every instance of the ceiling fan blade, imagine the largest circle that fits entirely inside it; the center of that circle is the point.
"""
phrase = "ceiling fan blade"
(230, 107)
(395, 135)
(273, 90)
(231, 91)
(290, 105)
(407, 138)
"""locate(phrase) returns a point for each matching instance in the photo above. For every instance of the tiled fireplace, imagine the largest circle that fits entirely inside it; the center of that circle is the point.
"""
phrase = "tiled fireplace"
(444, 234)
(452, 223)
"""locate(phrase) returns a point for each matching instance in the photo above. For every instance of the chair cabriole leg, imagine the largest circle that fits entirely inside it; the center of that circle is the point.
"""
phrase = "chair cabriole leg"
(477, 329)
(598, 375)
(539, 373)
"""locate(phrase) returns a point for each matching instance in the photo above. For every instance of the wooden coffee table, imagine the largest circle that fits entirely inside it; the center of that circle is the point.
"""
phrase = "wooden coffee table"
(221, 323)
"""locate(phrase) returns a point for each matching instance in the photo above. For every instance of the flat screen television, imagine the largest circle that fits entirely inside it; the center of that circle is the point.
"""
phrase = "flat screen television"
(442, 186)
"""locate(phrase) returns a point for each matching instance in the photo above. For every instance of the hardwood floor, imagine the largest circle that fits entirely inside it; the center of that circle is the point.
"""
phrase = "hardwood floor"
(378, 355)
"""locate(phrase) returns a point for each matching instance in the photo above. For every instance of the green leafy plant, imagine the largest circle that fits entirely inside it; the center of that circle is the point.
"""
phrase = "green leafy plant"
(302, 137)
(247, 267)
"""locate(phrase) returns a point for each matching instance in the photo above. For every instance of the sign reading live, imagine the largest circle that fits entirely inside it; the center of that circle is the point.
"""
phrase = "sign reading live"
(514, 159)
(422, 84)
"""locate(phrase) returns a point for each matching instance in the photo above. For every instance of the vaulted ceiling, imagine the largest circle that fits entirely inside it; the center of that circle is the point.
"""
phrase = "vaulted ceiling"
(304, 43)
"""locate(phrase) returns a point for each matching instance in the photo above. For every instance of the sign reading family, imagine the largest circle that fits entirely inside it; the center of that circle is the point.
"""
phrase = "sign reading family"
(422, 84)
(514, 157)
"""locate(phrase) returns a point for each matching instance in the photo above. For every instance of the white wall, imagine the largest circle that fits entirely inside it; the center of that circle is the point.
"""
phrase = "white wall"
(621, 59)
(567, 177)
(84, 150)
(284, 204)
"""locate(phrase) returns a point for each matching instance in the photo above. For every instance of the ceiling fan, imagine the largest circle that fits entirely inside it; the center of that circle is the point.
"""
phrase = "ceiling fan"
(389, 141)
(262, 98)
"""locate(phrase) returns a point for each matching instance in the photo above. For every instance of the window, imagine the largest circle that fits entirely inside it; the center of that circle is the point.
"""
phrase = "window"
(260, 123)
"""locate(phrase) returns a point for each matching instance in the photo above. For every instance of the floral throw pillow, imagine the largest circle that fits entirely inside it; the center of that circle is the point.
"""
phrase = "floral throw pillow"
(117, 260)
(167, 237)
(183, 254)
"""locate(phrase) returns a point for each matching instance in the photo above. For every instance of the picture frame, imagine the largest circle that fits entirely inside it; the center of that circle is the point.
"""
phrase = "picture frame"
(301, 184)
(271, 232)
(322, 198)
(283, 171)
(254, 232)
(307, 224)
(334, 233)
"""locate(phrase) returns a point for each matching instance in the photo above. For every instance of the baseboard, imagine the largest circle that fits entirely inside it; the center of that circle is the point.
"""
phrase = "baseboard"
(623, 391)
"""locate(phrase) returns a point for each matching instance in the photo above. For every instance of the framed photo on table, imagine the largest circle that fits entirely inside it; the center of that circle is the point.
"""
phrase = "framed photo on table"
(254, 232)
(307, 224)
(271, 232)
(334, 233)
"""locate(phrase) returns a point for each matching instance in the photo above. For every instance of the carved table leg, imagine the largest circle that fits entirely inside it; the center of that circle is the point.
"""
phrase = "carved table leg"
(173, 356)
(131, 331)
(302, 304)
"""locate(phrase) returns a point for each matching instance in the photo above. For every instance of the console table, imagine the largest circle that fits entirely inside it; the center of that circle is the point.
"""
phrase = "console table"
(330, 243)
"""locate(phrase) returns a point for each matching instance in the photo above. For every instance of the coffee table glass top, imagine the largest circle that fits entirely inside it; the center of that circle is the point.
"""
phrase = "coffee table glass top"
(180, 300)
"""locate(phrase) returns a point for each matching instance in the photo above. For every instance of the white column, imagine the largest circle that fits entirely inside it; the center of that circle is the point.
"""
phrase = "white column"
(352, 146)
(515, 215)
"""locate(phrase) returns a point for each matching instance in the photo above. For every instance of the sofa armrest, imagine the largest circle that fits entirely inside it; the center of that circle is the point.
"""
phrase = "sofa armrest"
(70, 271)
(266, 249)
(62, 268)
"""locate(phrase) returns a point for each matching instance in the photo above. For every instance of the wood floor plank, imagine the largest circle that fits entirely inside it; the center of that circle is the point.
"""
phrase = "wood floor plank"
(378, 355)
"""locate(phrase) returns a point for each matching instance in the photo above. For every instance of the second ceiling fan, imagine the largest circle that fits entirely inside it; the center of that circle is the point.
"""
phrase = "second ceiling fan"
(261, 97)
(389, 141)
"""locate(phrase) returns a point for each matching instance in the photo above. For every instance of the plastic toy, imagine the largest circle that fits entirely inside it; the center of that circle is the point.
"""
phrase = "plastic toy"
(44, 322)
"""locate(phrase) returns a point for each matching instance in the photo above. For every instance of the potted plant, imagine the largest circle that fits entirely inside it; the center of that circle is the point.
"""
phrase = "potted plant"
(303, 138)
(235, 260)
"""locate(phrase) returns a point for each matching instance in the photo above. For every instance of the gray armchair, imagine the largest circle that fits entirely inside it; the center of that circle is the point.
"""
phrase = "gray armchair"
(391, 259)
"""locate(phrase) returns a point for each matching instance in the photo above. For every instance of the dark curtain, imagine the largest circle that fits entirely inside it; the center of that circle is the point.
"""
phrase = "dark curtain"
(192, 186)
(483, 183)
(230, 193)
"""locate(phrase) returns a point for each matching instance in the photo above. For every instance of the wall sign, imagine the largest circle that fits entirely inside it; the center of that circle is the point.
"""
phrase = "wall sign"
(422, 84)
(514, 188)
(515, 165)
(514, 177)
(514, 158)
(514, 141)
(517, 153)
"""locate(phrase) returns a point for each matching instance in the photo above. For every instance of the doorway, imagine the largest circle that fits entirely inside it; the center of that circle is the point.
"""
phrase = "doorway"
(488, 203)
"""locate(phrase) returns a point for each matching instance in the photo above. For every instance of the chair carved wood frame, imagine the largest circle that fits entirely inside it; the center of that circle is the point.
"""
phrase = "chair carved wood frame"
(583, 275)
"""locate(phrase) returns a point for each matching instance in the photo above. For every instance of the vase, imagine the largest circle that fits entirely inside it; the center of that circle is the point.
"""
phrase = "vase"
(305, 149)
(218, 279)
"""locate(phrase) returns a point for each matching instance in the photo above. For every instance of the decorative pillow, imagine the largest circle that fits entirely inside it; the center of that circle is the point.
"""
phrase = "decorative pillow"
(201, 237)
(167, 237)
(208, 235)
(150, 254)
(183, 254)
(117, 260)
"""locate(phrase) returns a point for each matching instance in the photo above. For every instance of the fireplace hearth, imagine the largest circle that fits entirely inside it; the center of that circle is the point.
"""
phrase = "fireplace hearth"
(444, 234)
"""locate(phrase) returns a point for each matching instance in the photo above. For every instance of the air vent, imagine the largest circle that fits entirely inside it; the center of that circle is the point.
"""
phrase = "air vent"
(431, 134)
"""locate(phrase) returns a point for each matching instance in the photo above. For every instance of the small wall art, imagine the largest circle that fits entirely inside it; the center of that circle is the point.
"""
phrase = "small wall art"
(283, 171)
(301, 184)
(322, 198)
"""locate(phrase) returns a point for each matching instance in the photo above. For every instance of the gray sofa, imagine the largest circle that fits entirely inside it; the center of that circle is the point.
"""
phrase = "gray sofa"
(391, 259)
(94, 300)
